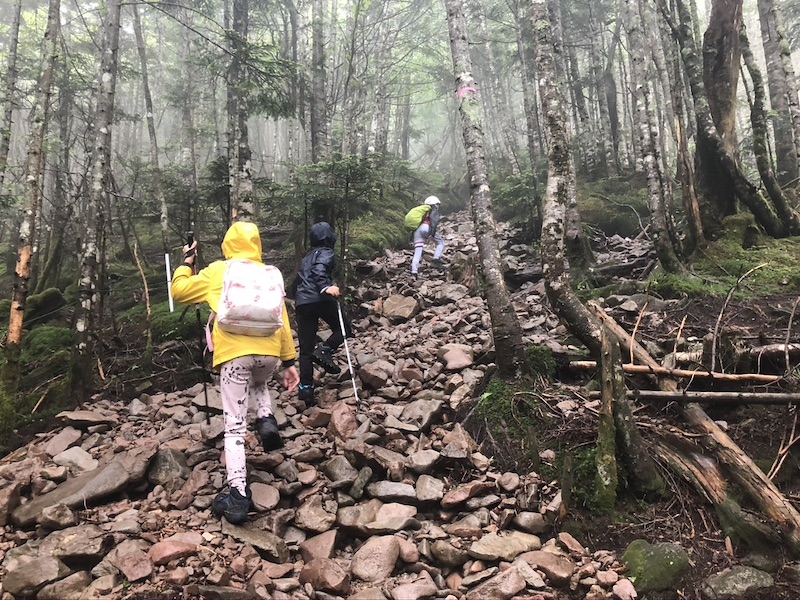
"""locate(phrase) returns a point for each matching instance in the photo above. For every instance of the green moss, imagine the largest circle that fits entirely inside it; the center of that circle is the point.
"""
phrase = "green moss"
(38, 307)
(42, 342)
(615, 205)
(723, 262)
(655, 567)
(542, 361)
(164, 325)
(509, 414)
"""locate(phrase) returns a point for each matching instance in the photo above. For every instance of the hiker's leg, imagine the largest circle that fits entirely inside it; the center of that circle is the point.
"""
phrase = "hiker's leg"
(234, 378)
(437, 254)
(420, 235)
(263, 368)
(330, 314)
(307, 323)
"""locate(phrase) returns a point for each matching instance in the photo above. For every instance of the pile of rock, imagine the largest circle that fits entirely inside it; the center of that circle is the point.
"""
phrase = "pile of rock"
(372, 497)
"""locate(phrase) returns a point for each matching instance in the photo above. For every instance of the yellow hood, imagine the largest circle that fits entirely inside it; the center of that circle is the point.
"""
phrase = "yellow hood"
(242, 241)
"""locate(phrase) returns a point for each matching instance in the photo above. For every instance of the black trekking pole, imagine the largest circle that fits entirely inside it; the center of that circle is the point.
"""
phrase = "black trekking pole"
(203, 375)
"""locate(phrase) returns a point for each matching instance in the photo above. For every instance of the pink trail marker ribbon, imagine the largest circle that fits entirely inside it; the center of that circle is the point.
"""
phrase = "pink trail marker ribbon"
(464, 90)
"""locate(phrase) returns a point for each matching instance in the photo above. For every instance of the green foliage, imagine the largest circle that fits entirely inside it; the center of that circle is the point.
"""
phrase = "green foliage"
(514, 199)
(42, 342)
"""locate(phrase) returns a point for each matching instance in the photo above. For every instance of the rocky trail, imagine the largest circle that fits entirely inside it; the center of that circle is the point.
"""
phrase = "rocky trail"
(384, 496)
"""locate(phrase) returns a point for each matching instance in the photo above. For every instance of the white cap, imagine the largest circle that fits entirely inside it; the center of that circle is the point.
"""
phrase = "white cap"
(431, 200)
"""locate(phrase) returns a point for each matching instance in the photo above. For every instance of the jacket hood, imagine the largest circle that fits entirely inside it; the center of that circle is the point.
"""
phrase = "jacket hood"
(242, 241)
(322, 235)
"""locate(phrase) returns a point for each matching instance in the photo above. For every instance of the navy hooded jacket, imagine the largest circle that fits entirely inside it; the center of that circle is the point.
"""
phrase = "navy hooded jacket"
(316, 270)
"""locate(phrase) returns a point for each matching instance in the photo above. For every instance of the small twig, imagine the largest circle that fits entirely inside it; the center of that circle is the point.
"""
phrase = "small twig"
(783, 451)
(722, 311)
(636, 326)
(678, 336)
(788, 333)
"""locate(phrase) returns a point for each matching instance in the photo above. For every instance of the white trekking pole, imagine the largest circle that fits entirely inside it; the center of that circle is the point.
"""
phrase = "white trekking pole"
(347, 352)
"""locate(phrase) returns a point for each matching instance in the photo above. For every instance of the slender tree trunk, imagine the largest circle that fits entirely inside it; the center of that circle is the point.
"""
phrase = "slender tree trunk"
(92, 247)
(758, 120)
(239, 153)
(531, 110)
(598, 73)
(786, 152)
(34, 165)
(509, 345)
(61, 214)
(10, 91)
(151, 130)
(645, 120)
(560, 185)
(528, 60)
(319, 134)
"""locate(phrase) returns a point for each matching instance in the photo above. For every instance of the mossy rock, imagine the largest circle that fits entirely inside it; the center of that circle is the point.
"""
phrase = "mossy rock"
(655, 567)
(39, 308)
(44, 341)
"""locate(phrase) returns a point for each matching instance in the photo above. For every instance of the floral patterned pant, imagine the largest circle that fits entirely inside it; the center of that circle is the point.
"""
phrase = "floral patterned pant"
(243, 381)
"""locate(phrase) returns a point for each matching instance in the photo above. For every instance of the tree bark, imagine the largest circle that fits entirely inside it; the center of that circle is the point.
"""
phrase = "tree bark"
(509, 345)
(713, 149)
(92, 247)
(758, 119)
(10, 90)
(560, 186)
(780, 89)
(319, 134)
(645, 120)
(239, 158)
(612, 390)
(151, 130)
(34, 165)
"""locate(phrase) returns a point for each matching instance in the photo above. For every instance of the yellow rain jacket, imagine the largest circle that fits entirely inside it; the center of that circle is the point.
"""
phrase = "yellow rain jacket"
(241, 242)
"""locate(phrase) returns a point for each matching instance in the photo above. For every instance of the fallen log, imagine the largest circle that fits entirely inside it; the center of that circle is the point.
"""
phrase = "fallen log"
(657, 369)
(712, 397)
(705, 476)
(751, 479)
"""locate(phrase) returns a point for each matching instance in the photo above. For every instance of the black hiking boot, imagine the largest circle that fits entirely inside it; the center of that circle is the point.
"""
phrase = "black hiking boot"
(232, 505)
(306, 394)
(437, 264)
(267, 429)
(324, 358)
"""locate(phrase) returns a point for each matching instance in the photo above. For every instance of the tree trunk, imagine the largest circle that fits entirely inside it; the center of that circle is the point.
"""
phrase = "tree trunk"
(786, 152)
(92, 247)
(10, 91)
(239, 159)
(604, 117)
(509, 345)
(645, 121)
(758, 119)
(319, 134)
(560, 186)
(612, 387)
(151, 131)
(34, 165)
(711, 145)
